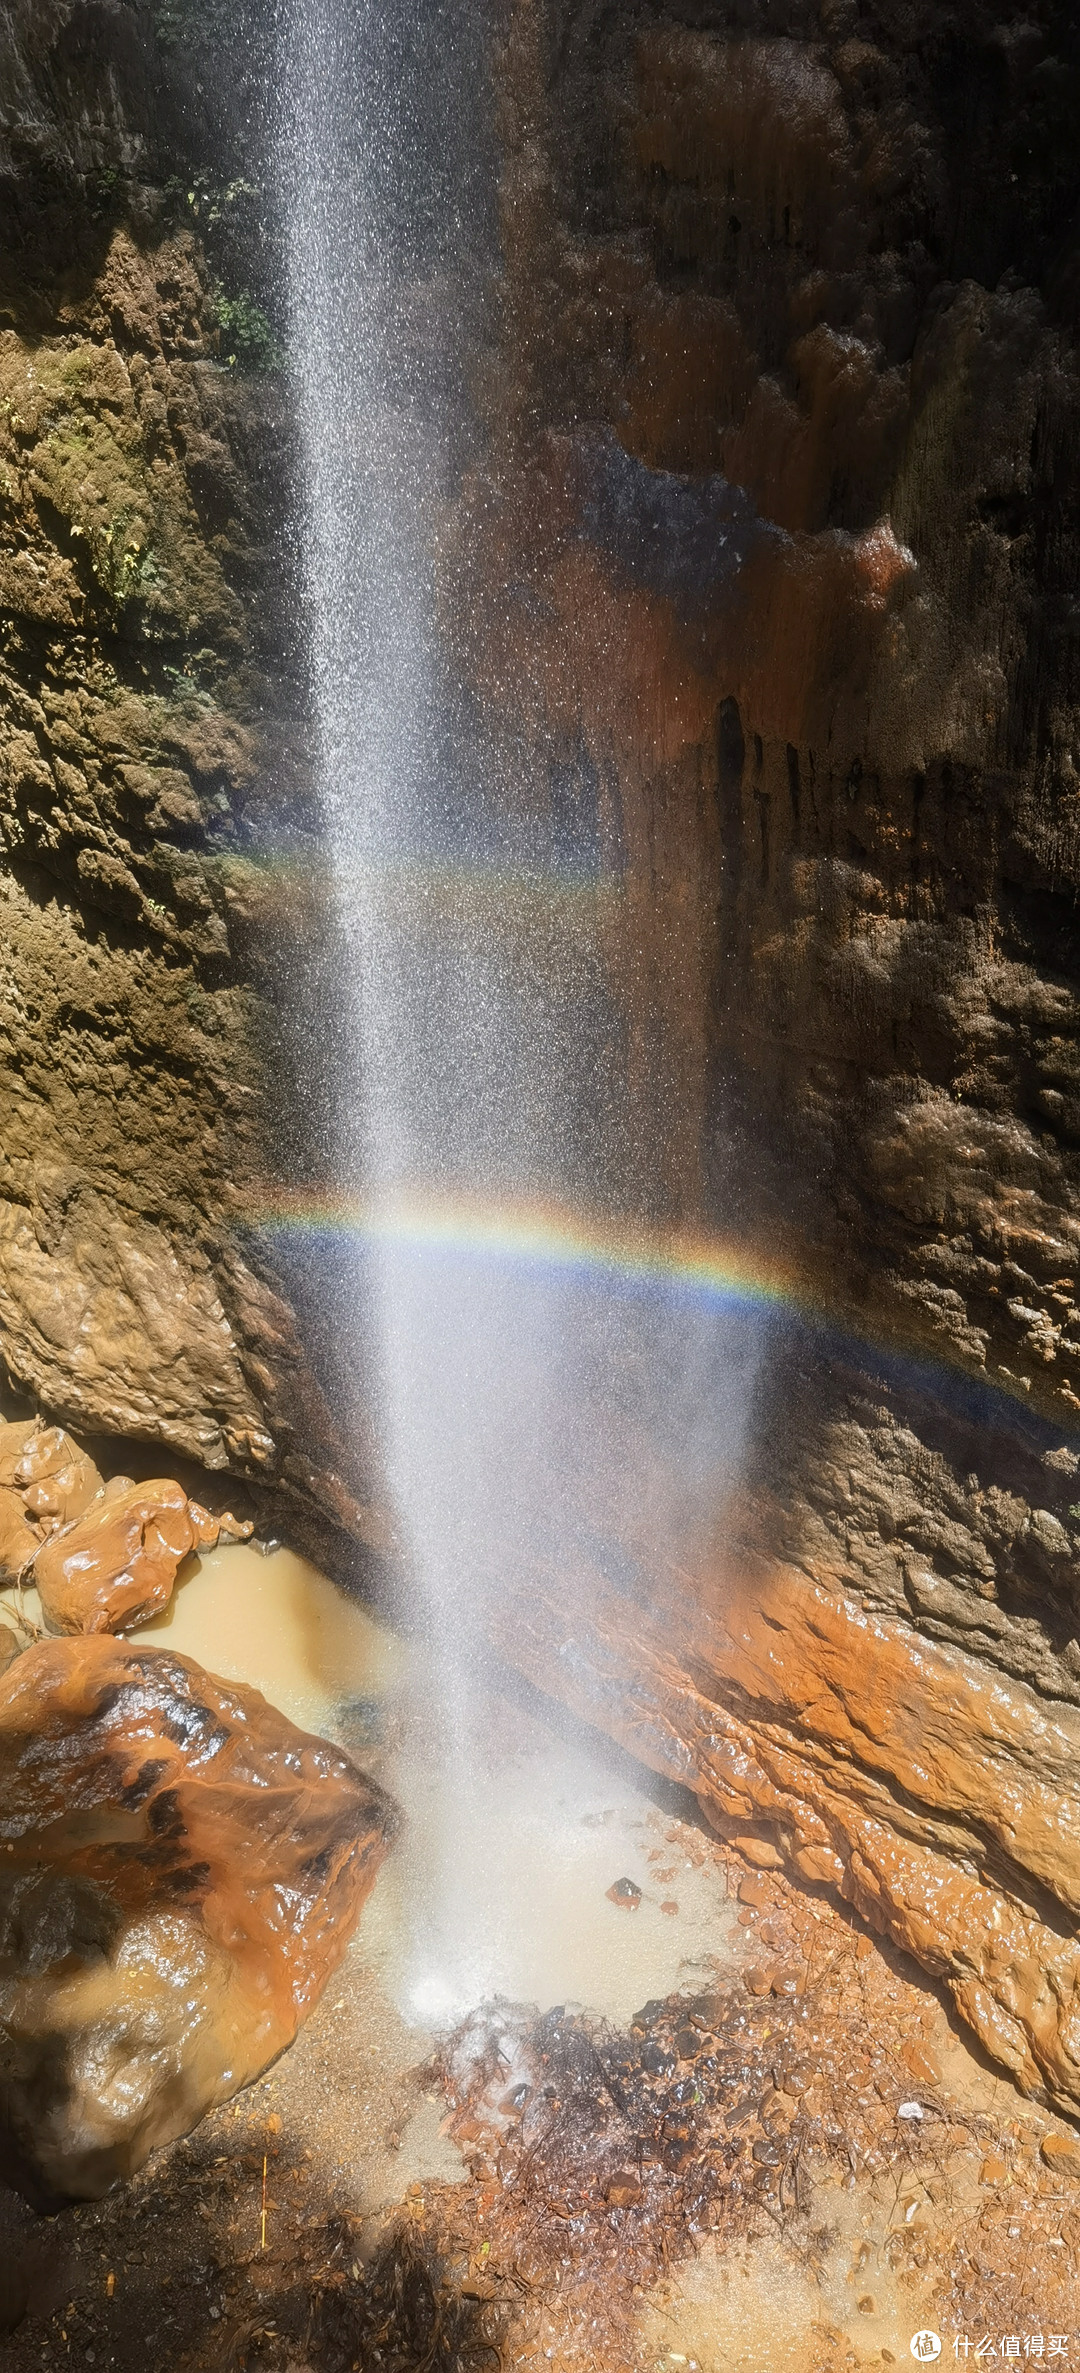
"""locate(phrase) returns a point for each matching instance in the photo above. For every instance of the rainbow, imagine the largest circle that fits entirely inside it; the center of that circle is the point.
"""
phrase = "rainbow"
(547, 1240)
(541, 1237)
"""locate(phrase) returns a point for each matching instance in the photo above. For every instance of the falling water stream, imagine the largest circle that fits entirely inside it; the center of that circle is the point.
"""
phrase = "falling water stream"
(526, 1414)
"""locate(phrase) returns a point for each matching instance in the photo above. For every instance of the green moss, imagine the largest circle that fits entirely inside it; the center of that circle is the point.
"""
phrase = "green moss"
(85, 473)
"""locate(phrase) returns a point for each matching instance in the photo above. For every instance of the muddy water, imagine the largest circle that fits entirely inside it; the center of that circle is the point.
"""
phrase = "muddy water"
(545, 1828)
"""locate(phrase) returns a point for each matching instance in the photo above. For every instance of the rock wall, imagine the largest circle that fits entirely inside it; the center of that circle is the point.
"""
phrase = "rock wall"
(153, 976)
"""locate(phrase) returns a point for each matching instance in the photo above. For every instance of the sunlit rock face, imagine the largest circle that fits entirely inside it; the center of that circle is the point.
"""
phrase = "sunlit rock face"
(939, 1800)
(180, 1870)
(158, 967)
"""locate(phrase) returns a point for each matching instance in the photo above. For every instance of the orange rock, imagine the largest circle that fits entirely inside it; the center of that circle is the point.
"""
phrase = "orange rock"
(15, 1433)
(18, 1539)
(993, 2170)
(181, 1872)
(760, 1851)
(754, 1891)
(787, 1700)
(1062, 2153)
(920, 2064)
(55, 1479)
(117, 1565)
(18, 1536)
(760, 1981)
(623, 2190)
(9, 1647)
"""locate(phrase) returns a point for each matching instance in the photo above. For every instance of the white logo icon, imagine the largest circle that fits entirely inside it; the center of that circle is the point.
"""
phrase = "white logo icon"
(926, 2346)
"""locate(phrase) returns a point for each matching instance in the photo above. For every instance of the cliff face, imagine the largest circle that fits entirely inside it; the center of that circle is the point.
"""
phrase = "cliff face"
(147, 802)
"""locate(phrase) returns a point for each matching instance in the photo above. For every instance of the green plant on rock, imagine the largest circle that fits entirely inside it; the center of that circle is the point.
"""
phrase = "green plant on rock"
(210, 202)
(247, 339)
(122, 561)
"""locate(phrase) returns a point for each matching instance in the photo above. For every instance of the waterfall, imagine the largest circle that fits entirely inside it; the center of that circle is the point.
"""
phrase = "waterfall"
(531, 1409)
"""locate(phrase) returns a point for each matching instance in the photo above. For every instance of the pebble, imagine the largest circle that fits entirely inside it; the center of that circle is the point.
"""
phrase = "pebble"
(1062, 2153)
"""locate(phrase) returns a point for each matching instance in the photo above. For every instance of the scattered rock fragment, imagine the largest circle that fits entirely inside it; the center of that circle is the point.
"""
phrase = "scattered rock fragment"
(181, 1872)
(625, 1894)
(920, 2064)
(1061, 2152)
(623, 2189)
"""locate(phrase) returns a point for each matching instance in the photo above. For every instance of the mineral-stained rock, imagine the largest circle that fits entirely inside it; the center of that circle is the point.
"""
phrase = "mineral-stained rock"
(939, 1798)
(180, 1870)
(117, 1566)
(56, 1479)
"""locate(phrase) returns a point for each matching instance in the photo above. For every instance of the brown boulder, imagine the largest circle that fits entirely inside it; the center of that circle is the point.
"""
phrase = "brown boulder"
(54, 1478)
(19, 1536)
(180, 1871)
(117, 1565)
(46, 1482)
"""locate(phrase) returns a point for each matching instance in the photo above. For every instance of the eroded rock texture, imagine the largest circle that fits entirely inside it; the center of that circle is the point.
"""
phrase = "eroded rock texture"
(103, 1556)
(180, 1870)
(151, 976)
(787, 470)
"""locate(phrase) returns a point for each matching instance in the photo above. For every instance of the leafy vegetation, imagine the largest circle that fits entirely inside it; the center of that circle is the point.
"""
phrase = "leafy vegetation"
(247, 339)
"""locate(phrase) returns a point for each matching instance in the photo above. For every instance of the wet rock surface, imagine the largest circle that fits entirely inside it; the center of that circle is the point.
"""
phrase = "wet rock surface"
(180, 1870)
(782, 486)
(102, 1556)
(116, 1566)
(904, 1776)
